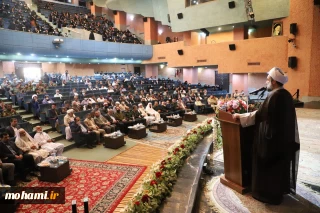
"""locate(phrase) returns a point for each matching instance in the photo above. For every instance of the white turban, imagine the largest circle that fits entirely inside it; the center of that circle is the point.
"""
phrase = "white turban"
(70, 111)
(34, 96)
(278, 75)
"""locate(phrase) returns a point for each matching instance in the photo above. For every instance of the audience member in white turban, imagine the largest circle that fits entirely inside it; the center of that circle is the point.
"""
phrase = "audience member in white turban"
(47, 143)
(69, 117)
(152, 112)
(28, 145)
(145, 115)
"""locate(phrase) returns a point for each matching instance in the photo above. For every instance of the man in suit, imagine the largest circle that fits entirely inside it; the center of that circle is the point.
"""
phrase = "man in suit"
(53, 115)
(10, 153)
(7, 168)
(12, 130)
(88, 136)
(103, 123)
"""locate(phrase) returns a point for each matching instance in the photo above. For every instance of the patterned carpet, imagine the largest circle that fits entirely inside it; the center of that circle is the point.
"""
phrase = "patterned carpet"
(224, 199)
(165, 139)
(309, 161)
(104, 184)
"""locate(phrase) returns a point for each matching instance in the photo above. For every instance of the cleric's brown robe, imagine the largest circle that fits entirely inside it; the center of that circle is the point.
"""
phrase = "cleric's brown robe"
(276, 148)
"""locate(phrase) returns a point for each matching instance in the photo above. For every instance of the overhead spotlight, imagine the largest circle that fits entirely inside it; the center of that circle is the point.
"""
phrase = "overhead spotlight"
(98, 63)
(49, 62)
(13, 61)
(38, 61)
(89, 63)
(115, 58)
(26, 61)
(67, 56)
(56, 56)
(32, 54)
(18, 53)
(131, 17)
(232, 26)
(219, 28)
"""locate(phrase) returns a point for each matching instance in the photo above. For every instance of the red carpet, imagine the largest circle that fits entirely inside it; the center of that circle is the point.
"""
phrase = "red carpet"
(104, 184)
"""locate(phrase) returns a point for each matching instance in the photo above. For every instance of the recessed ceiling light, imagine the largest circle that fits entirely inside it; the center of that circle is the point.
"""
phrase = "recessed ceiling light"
(18, 53)
(89, 63)
(67, 56)
(32, 54)
(60, 62)
(4, 53)
(49, 62)
(233, 26)
(98, 63)
(44, 55)
(26, 61)
(56, 56)
(219, 28)
(13, 61)
(206, 67)
(38, 62)
(115, 58)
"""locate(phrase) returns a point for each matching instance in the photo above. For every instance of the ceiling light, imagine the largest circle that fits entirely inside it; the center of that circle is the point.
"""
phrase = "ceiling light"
(98, 63)
(160, 32)
(232, 26)
(67, 56)
(219, 28)
(49, 62)
(13, 61)
(131, 17)
(56, 56)
(115, 58)
(32, 54)
(89, 63)
(26, 61)
(205, 67)
(18, 53)
(60, 62)
(38, 62)
(44, 55)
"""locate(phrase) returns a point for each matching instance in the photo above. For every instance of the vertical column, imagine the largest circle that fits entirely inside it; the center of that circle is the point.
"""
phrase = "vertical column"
(152, 70)
(190, 75)
(187, 38)
(95, 10)
(240, 33)
(120, 20)
(75, 2)
(150, 31)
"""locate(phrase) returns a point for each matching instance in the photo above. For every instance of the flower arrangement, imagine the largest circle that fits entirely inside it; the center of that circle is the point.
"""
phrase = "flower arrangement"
(237, 106)
(158, 184)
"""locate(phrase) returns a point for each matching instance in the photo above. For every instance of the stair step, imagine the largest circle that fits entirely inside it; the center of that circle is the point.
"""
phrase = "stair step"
(67, 144)
(27, 117)
(22, 111)
(56, 136)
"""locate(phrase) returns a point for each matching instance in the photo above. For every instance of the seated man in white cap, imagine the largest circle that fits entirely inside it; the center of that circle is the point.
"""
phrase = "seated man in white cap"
(28, 145)
(47, 143)
(276, 143)
(69, 117)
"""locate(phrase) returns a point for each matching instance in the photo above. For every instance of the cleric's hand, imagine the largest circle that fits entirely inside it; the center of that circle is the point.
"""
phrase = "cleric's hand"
(236, 116)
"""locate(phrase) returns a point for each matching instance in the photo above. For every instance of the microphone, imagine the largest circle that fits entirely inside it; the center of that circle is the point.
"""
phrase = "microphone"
(258, 90)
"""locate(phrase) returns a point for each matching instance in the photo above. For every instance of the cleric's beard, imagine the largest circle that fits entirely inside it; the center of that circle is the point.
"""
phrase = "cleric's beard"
(269, 87)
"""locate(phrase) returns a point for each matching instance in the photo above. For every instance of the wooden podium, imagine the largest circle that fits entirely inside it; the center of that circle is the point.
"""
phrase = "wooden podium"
(237, 146)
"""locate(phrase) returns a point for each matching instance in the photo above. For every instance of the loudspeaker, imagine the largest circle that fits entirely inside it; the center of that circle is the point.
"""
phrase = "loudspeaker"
(180, 16)
(115, 12)
(180, 52)
(293, 28)
(316, 2)
(292, 62)
(145, 19)
(232, 47)
(232, 4)
(91, 3)
(204, 30)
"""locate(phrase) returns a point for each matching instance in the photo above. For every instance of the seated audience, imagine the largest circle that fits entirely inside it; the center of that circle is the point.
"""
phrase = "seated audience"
(47, 143)
(89, 136)
(69, 117)
(91, 126)
(28, 145)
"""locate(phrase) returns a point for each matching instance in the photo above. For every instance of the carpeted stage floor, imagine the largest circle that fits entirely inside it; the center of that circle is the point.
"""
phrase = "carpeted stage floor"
(141, 154)
(223, 199)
